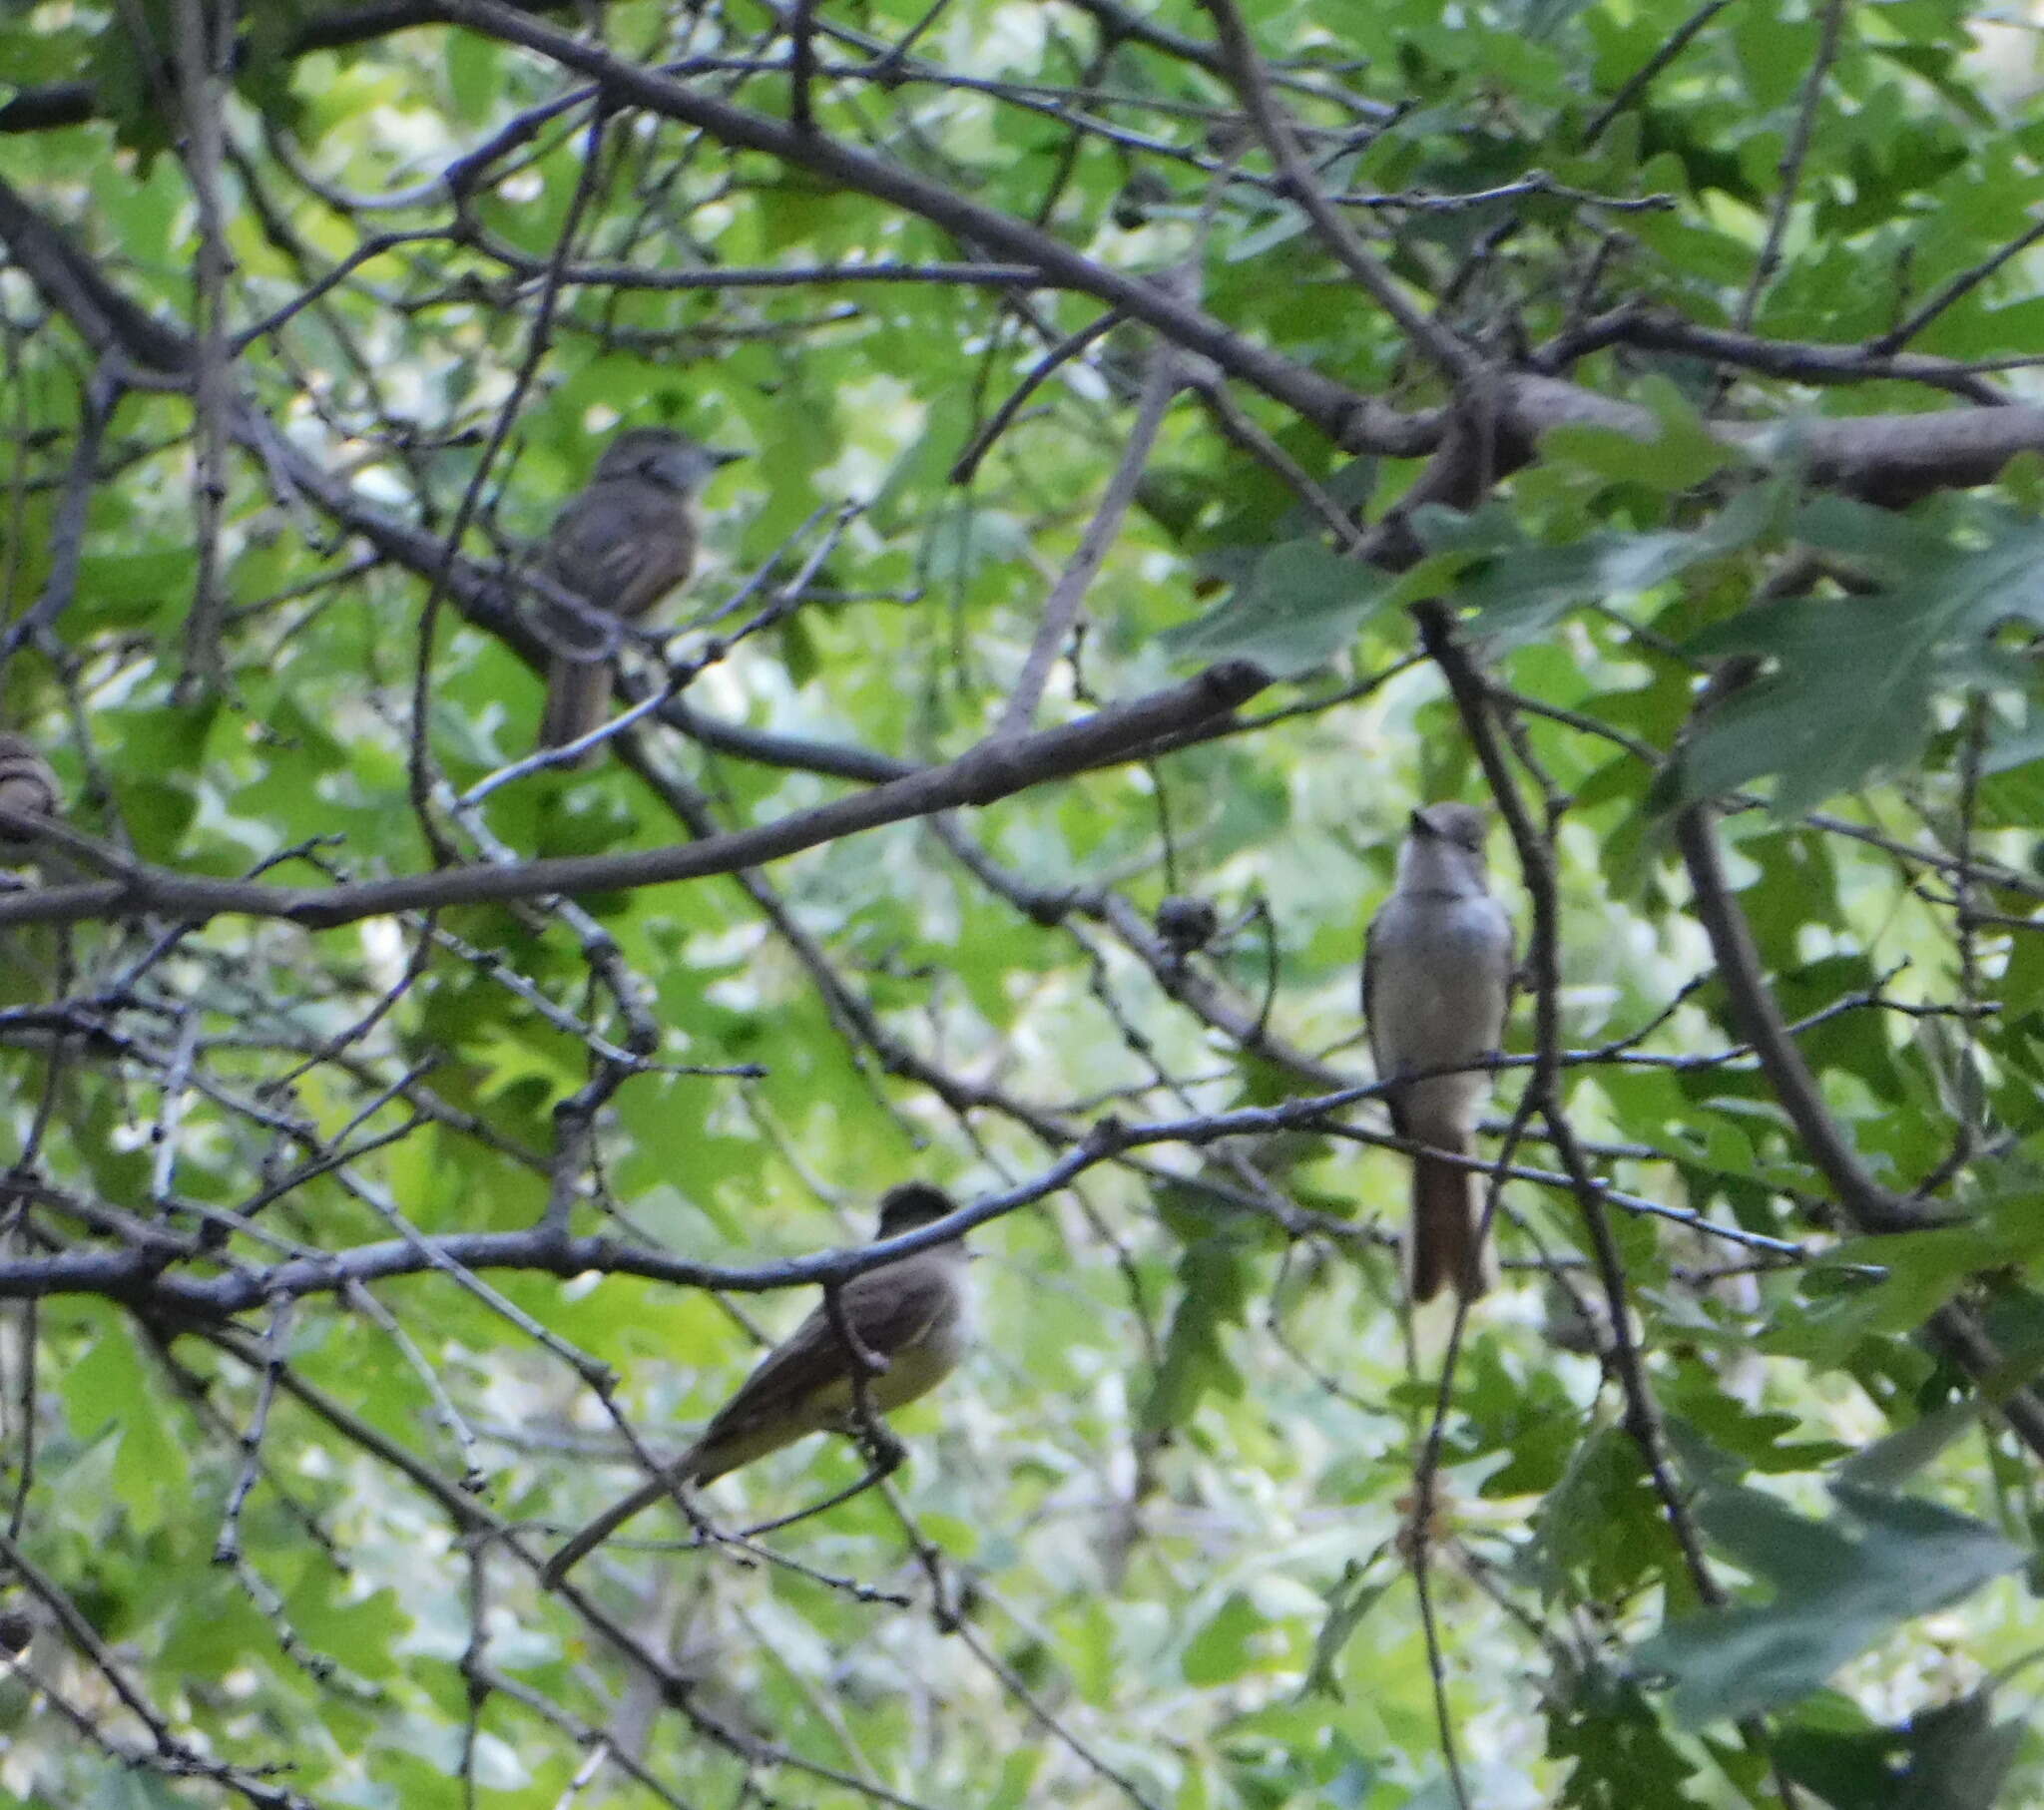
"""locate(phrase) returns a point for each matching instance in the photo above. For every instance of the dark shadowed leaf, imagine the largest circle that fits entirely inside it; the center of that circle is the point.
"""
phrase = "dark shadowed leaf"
(1840, 1585)
(1524, 588)
(1952, 1757)
(1624, 1758)
(1848, 681)
(1300, 606)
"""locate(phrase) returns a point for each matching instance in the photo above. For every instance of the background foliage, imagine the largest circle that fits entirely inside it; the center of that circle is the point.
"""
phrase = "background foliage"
(1615, 411)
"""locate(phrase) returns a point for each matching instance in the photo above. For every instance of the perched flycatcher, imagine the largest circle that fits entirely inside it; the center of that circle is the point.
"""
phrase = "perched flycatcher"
(27, 785)
(1437, 978)
(914, 1315)
(622, 546)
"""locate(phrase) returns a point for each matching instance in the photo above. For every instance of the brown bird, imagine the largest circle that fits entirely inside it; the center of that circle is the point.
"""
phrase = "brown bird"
(916, 1315)
(1437, 979)
(621, 545)
(27, 785)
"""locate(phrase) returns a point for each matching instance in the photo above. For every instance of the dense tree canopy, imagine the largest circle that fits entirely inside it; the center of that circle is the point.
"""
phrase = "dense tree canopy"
(1178, 441)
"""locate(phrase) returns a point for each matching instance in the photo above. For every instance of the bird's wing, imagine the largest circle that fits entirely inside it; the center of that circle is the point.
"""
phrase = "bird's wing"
(1369, 1011)
(1370, 1023)
(891, 1309)
(623, 547)
(1514, 979)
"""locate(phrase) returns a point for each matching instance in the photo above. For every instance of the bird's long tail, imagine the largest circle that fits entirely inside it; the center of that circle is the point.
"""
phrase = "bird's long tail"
(578, 697)
(1443, 1248)
(680, 1474)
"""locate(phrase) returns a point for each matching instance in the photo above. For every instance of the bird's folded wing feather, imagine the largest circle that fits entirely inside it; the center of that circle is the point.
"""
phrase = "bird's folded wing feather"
(1369, 976)
(891, 1310)
(1373, 967)
(621, 552)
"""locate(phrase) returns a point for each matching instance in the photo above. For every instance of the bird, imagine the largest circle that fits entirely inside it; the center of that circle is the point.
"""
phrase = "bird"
(1436, 982)
(27, 785)
(914, 1314)
(621, 545)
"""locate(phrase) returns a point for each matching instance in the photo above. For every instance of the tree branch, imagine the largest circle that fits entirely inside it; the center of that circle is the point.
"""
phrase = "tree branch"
(1426, 334)
(1357, 423)
(990, 771)
(73, 103)
(1866, 1204)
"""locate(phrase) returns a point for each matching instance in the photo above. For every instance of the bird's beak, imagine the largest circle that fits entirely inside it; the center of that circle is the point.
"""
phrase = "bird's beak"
(1422, 824)
(719, 456)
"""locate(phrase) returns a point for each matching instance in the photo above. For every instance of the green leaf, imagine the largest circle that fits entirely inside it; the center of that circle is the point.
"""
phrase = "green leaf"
(1839, 1585)
(1525, 589)
(1679, 458)
(471, 75)
(1524, 1413)
(1888, 1463)
(1624, 1759)
(1851, 681)
(1349, 1603)
(1923, 1270)
(1222, 1649)
(124, 589)
(109, 1388)
(162, 754)
(364, 1635)
(1600, 1530)
(1951, 1757)
(1214, 1271)
(135, 1789)
(1300, 606)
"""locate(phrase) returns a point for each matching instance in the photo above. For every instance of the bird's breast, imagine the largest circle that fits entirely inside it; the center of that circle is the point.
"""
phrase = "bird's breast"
(914, 1373)
(1440, 973)
(926, 1364)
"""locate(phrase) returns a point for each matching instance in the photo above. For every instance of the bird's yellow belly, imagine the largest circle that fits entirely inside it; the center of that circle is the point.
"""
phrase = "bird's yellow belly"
(910, 1375)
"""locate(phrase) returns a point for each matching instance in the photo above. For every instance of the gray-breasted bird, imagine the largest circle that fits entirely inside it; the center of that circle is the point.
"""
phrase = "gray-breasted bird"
(621, 545)
(916, 1315)
(1437, 979)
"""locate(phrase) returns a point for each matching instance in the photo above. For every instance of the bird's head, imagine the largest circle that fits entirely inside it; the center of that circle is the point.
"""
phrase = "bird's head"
(1462, 824)
(662, 455)
(911, 1204)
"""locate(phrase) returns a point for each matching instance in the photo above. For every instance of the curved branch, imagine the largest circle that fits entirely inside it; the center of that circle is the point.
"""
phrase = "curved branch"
(1869, 1206)
(1866, 1204)
(1799, 361)
(990, 771)
(138, 1272)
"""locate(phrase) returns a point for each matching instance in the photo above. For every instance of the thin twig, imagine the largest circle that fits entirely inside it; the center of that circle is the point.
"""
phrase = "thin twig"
(1792, 156)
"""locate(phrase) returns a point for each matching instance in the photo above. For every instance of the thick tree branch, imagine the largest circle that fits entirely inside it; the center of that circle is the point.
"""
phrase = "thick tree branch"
(1870, 1205)
(72, 284)
(1866, 1204)
(990, 771)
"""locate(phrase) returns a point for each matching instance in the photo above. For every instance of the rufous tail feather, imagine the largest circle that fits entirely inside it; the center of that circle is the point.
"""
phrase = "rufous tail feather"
(578, 696)
(1445, 1252)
